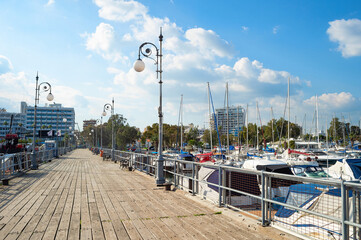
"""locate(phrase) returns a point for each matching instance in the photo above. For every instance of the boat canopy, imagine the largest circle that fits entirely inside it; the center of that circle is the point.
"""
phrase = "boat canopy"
(301, 194)
(355, 165)
(281, 168)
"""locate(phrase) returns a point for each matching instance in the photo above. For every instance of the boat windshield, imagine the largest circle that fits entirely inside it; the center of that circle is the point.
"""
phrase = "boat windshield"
(315, 172)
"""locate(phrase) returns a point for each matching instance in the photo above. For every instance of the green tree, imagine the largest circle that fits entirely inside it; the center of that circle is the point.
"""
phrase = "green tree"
(206, 138)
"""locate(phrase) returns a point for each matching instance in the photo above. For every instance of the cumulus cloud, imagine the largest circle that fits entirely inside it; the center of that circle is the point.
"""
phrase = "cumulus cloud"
(208, 42)
(5, 65)
(244, 28)
(49, 3)
(191, 58)
(120, 10)
(244, 67)
(102, 41)
(347, 33)
(333, 101)
(275, 29)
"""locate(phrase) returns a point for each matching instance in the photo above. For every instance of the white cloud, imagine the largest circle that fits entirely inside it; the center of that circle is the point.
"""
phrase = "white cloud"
(244, 28)
(5, 65)
(49, 3)
(190, 59)
(102, 41)
(244, 67)
(333, 101)
(347, 33)
(120, 10)
(275, 29)
(208, 42)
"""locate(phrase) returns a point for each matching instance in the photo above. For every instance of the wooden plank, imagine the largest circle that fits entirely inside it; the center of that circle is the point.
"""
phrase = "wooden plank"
(45, 220)
(51, 230)
(63, 228)
(74, 227)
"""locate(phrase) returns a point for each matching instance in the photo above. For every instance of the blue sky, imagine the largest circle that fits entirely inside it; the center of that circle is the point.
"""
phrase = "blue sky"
(86, 50)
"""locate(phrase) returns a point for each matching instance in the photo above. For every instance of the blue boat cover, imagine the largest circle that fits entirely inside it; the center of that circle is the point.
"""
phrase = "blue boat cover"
(180, 156)
(355, 165)
(301, 194)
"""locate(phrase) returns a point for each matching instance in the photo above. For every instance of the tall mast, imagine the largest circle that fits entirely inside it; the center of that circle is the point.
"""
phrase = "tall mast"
(256, 124)
(227, 119)
(289, 112)
(273, 136)
(247, 125)
(181, 117)
(317, 131)
(209, 116)
(334, 128)
(238, 127)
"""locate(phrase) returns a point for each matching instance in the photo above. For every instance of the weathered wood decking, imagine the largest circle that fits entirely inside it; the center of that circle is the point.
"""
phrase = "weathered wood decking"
(79, 196)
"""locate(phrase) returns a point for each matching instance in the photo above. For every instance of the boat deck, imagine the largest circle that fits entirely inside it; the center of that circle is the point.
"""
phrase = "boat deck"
(80, 196)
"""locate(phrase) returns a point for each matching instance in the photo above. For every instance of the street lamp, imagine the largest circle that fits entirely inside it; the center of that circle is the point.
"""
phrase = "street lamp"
(90, 134)
(71, 134)
(45, 86)
(101, 131)
(108, 107)
(92, 131)
(98, 121)
(57, 131)
(139, 67)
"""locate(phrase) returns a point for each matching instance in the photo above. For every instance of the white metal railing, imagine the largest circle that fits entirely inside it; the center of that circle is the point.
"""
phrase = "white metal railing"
(332, 210)
(13, 164)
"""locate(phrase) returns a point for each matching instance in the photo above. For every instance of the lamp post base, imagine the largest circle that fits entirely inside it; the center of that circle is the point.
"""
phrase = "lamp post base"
(34, 165)
(160, 180)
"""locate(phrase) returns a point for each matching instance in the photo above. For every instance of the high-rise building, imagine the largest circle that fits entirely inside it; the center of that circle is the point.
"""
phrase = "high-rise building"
(17, 124)
(90, 122)
(50, 117)
(236, 120)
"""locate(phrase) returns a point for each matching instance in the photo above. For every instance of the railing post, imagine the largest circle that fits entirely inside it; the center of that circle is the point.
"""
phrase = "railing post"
(263, 205)
(224, 184)
(175, 172)
(12, 165)
(196, 176)
(354, 213)
(193, 180)
(2, 168)
(219, 186)
(359, 214)
(344, 200)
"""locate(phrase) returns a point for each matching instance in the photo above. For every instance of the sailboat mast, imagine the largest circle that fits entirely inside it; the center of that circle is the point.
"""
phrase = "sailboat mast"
(247, 125)
(209, 116)
(289, 113)
(256, 125)
(273, 135)
(227, 119)
(239, 145)
(317, 131)
(181, 116)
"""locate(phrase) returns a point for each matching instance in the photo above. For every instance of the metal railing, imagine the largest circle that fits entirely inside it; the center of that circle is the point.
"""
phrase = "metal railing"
(311, 208)
(13, 164)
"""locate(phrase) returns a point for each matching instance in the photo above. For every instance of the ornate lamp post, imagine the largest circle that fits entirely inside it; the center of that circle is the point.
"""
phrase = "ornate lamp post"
(139, 67)
(96, 133)
(108, 107)
(45, 86)
(101, 131)
(92, 133)
(57, 132)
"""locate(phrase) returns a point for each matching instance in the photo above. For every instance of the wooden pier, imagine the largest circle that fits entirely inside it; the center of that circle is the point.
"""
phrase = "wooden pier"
(80, 196)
